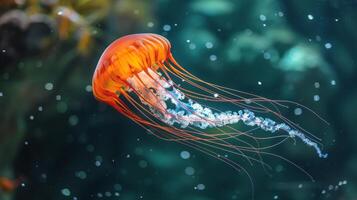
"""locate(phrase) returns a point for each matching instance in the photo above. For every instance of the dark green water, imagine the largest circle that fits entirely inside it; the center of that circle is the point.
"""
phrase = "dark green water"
(59, 142)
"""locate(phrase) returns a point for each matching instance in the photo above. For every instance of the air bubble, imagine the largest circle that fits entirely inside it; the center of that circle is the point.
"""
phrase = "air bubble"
(66, 192)
(189, 171)
(328, 45)
(185, 155)
(297, 111)
(166, 27)
(150, 24)
(213, 57)
(49, 86)
(209, 45)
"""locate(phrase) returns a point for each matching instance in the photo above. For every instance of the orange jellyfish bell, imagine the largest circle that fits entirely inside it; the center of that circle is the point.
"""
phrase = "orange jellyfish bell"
(138, 76)
(126, 58)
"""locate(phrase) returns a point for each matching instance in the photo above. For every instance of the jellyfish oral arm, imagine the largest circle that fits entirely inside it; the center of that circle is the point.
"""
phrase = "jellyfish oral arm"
(171, 106)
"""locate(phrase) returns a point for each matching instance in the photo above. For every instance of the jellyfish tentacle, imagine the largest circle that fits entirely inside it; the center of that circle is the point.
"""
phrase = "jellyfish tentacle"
(180, 116)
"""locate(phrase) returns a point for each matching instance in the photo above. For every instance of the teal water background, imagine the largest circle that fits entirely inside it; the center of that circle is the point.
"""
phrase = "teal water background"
(63, 144)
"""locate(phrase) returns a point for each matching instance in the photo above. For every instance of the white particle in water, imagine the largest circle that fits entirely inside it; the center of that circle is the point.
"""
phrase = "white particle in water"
(267, 55)
(280, 14)
(259, 83)
(216, 95)
(166, 27)
(60, 12)
(4, 50)
(297, 111)
(185, 155)
(81, 175)
(58, 97)
(300, 186)
(49, 86)
(98, 163)
(310, 17)
(1, 94)
(192, 46)
(189, 171)
(201, 186)
(262, 17)
(32, 117)
(108, 194)
(73, 120)
(89, 88)
(317, 85)
(333, 82)
(316, 97)
(150, 24)
(40, 108)
(213, 57)
(209, 45)
(328, 45)
(188, 41)
(66, 192)
(276, 197)
(330, 187)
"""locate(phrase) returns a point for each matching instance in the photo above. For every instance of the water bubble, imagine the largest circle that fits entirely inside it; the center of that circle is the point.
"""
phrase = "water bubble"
(49, 86)
(276, 197)
(66, 192)
(267, 56)
(201, 186)
(189, 171)
(215, 95)
(310, 17)
(108, 194)
(1, 94)
(262, 17)
(150, 24)
(317, 85)
(58, 97)
(328, 45)
(280, 14)
(40, 108)
(209, 45)
(297, 111)
(185, 155)
(259, 83)
(32, 117)
(166, 27)
(73, 120)
(81, 175)
(333, 82)
(213, 57)
(89, 88)
(316, 97)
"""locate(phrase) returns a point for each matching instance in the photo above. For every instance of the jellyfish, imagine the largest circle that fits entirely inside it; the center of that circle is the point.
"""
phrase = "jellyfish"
(139, 77)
